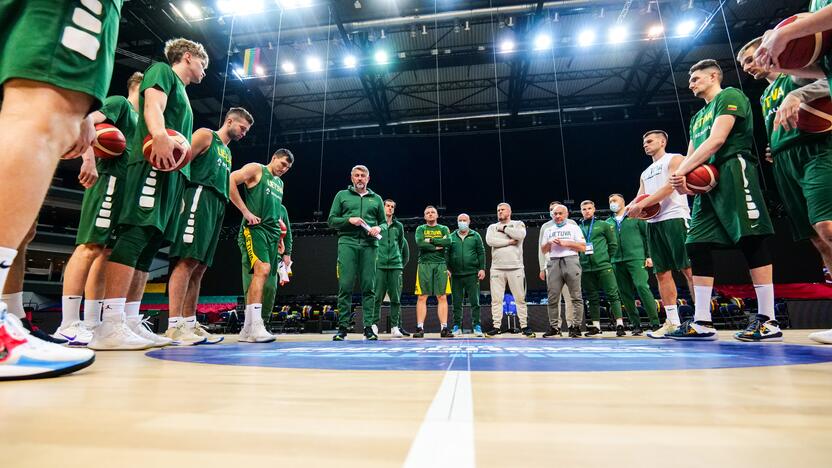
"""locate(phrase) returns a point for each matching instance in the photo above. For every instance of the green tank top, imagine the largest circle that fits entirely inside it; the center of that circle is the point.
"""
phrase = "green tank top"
(729, 101)
(264, 201)
(213, 167)
(119, 111)
(771, 100)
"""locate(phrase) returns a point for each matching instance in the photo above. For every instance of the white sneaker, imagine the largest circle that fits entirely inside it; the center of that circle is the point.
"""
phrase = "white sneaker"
(22, 356)
(141, 327)
(375, 329)
(823, 337)
(117, 336)
(77, 334)
(181, 335)
(664, 330)
(201, 332)
(255, 332)
(396, 333)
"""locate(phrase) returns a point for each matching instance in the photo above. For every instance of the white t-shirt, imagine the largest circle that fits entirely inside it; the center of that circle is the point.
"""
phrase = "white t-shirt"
(569, 231)
(654, 178)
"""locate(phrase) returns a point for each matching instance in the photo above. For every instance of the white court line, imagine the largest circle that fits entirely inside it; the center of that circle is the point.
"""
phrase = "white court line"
(446, 436)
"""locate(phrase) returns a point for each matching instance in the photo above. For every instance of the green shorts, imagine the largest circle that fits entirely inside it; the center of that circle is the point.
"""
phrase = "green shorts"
(153, 198)
(666, 241)
(101, 202)
(200, 225)
(60, 42)
(733, 209)
(432, 279)
(803, 173)
(257, 244)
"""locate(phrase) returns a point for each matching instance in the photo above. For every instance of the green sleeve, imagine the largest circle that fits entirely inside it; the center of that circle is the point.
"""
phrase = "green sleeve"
(612, 242)
(445, 241)
(420, 241)
(642, 229)
(159, 76)
(405, 248)
(731, 102)
(481, 252)
(114, 108)
(380, 218)
(287, 241)
(336, 219)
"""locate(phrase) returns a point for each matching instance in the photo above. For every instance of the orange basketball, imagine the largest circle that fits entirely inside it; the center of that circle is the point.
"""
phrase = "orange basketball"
(702, 179)
(109, 141)
(815, 116)
(649, 211)
(806, 50)
(182, 157)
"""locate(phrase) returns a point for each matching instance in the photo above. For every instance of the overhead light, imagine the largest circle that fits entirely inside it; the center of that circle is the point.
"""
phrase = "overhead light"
(193, 11)
(424, 30)
(510, 22)
(260, 70)
(467, 26)
(240, 7)
(655, 31)
(543, 41)
(685, 28)
(381, 57)
(357, 4)
(382, 35)
(586, 38)
(618, 34)
(507, 46)
(350, 61)
(290, 4)
(314, 64)
(288, 68)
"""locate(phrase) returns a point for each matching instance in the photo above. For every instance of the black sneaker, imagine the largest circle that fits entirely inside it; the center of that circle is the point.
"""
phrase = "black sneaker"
(637, 331)
(493, 333)
(445, 333)
(619, 330)
(369, 334)
(341, 335)
(419, 333)
(404, 332)
(40, 334)
(553, 331)
(574, 331)
(592, 331)
(528, 333)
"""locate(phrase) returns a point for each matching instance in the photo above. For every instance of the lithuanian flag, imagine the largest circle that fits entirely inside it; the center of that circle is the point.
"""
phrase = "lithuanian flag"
(251, 58)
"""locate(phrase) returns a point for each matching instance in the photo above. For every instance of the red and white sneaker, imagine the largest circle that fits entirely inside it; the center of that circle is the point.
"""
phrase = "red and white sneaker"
(22, 356)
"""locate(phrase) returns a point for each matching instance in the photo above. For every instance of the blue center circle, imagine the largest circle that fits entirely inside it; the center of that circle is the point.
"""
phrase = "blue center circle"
(500, 355)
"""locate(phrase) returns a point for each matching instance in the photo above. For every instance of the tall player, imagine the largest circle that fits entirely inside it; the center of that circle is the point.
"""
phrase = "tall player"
(56, 60)
(259, 236)
(667, 232)
(152, 198)
(733, 214)
(102, 202)
(206, 195)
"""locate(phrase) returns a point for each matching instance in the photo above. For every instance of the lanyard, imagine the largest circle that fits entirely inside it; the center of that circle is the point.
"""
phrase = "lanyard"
(589, 234)
(618, 224)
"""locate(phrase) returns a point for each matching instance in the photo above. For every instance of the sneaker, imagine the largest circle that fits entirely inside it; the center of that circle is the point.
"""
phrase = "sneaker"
(493, 333)
(141, 327)
(478, 331)
(254, 332)
(761, 329)
(456, 331)
(22, 356)
(822, 337)
(592, 331)
(694, 331)
(553, 331)
(574, 331)
(117, 336)
(200, 331)
(404, 332)
(637, 331)
(827, 276)
(619, 330)
(77, 334)
(662, 332)
(419, 333)
(445, 333)
(370, 334)
(396, 333)
(375, 330)
(38, 333)
(341, 335)
(181, 335)
(528, 333)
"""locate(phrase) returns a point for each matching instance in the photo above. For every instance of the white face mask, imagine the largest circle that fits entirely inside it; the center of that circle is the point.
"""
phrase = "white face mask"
(614, 207)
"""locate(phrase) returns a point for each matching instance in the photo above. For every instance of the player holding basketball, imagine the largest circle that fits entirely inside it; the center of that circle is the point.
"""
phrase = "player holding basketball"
(667, 231)
(259, 237)
(432, 277)
(206, 195)
(152, 197)
(733, 214)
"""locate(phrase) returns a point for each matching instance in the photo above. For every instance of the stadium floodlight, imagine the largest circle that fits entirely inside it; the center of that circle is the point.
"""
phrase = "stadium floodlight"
(193, 11)
(506, 46)
(686, 28)
(288, 68)
(260, 70)
(542, 41)
(314, 64)
(381, 57)
(655, 31)
(350, 61)
(618, 34)
(586, 38)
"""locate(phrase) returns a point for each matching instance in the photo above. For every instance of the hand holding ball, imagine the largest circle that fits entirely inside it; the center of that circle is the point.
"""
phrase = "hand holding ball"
(803, 51)
(181, 152)
(702, 179)
(650, 211)
(109, 141)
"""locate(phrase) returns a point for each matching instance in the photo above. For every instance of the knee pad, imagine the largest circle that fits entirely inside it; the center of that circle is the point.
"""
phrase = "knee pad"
(756, 251)
(701, 259)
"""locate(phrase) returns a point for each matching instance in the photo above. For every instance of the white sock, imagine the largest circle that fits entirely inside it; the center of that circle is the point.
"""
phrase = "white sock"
(14, 303)
(190, 322)
(765, 300)
(70, 310)
(174, 321)
(596, 324)
(619, 321)
(131, 310)
(7, 256)
(420, 325)
(92, 312)
(673, 314)
(444, 325)
(702, 308)
(113, 310)
(253, 313)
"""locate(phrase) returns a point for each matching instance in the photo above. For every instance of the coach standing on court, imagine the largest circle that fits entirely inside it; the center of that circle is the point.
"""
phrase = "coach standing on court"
(466, 262)
(357, 214)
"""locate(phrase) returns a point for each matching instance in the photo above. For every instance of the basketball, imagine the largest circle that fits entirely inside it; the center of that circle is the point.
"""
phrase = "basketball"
(182, 157)
(815, 116)
(109, 141)
(806, 50)
(702, 179)
(649, 211)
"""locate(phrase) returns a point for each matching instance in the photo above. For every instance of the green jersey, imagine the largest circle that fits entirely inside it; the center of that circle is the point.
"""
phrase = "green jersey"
(771, 100)
(729, 101)
(213, 167)
(439, 236)
(816, 5)
(264, 200)
(178, 114)
(119, 111)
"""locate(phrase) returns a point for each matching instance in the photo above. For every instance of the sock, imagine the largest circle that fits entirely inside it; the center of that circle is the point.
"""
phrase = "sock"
(253, 313)
(190, 322)
(113, 310)
(445, 325)
(420, 325)
(14, 304)
(672, 312)
(70, 310)
(765, 300)
(174, 321)
(131, 310)
(702, 308)
(596, 324)
(619, 321)
(92, 312)
(7, 256)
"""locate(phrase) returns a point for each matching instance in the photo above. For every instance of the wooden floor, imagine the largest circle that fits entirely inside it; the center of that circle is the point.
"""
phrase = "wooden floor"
(130, 410)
